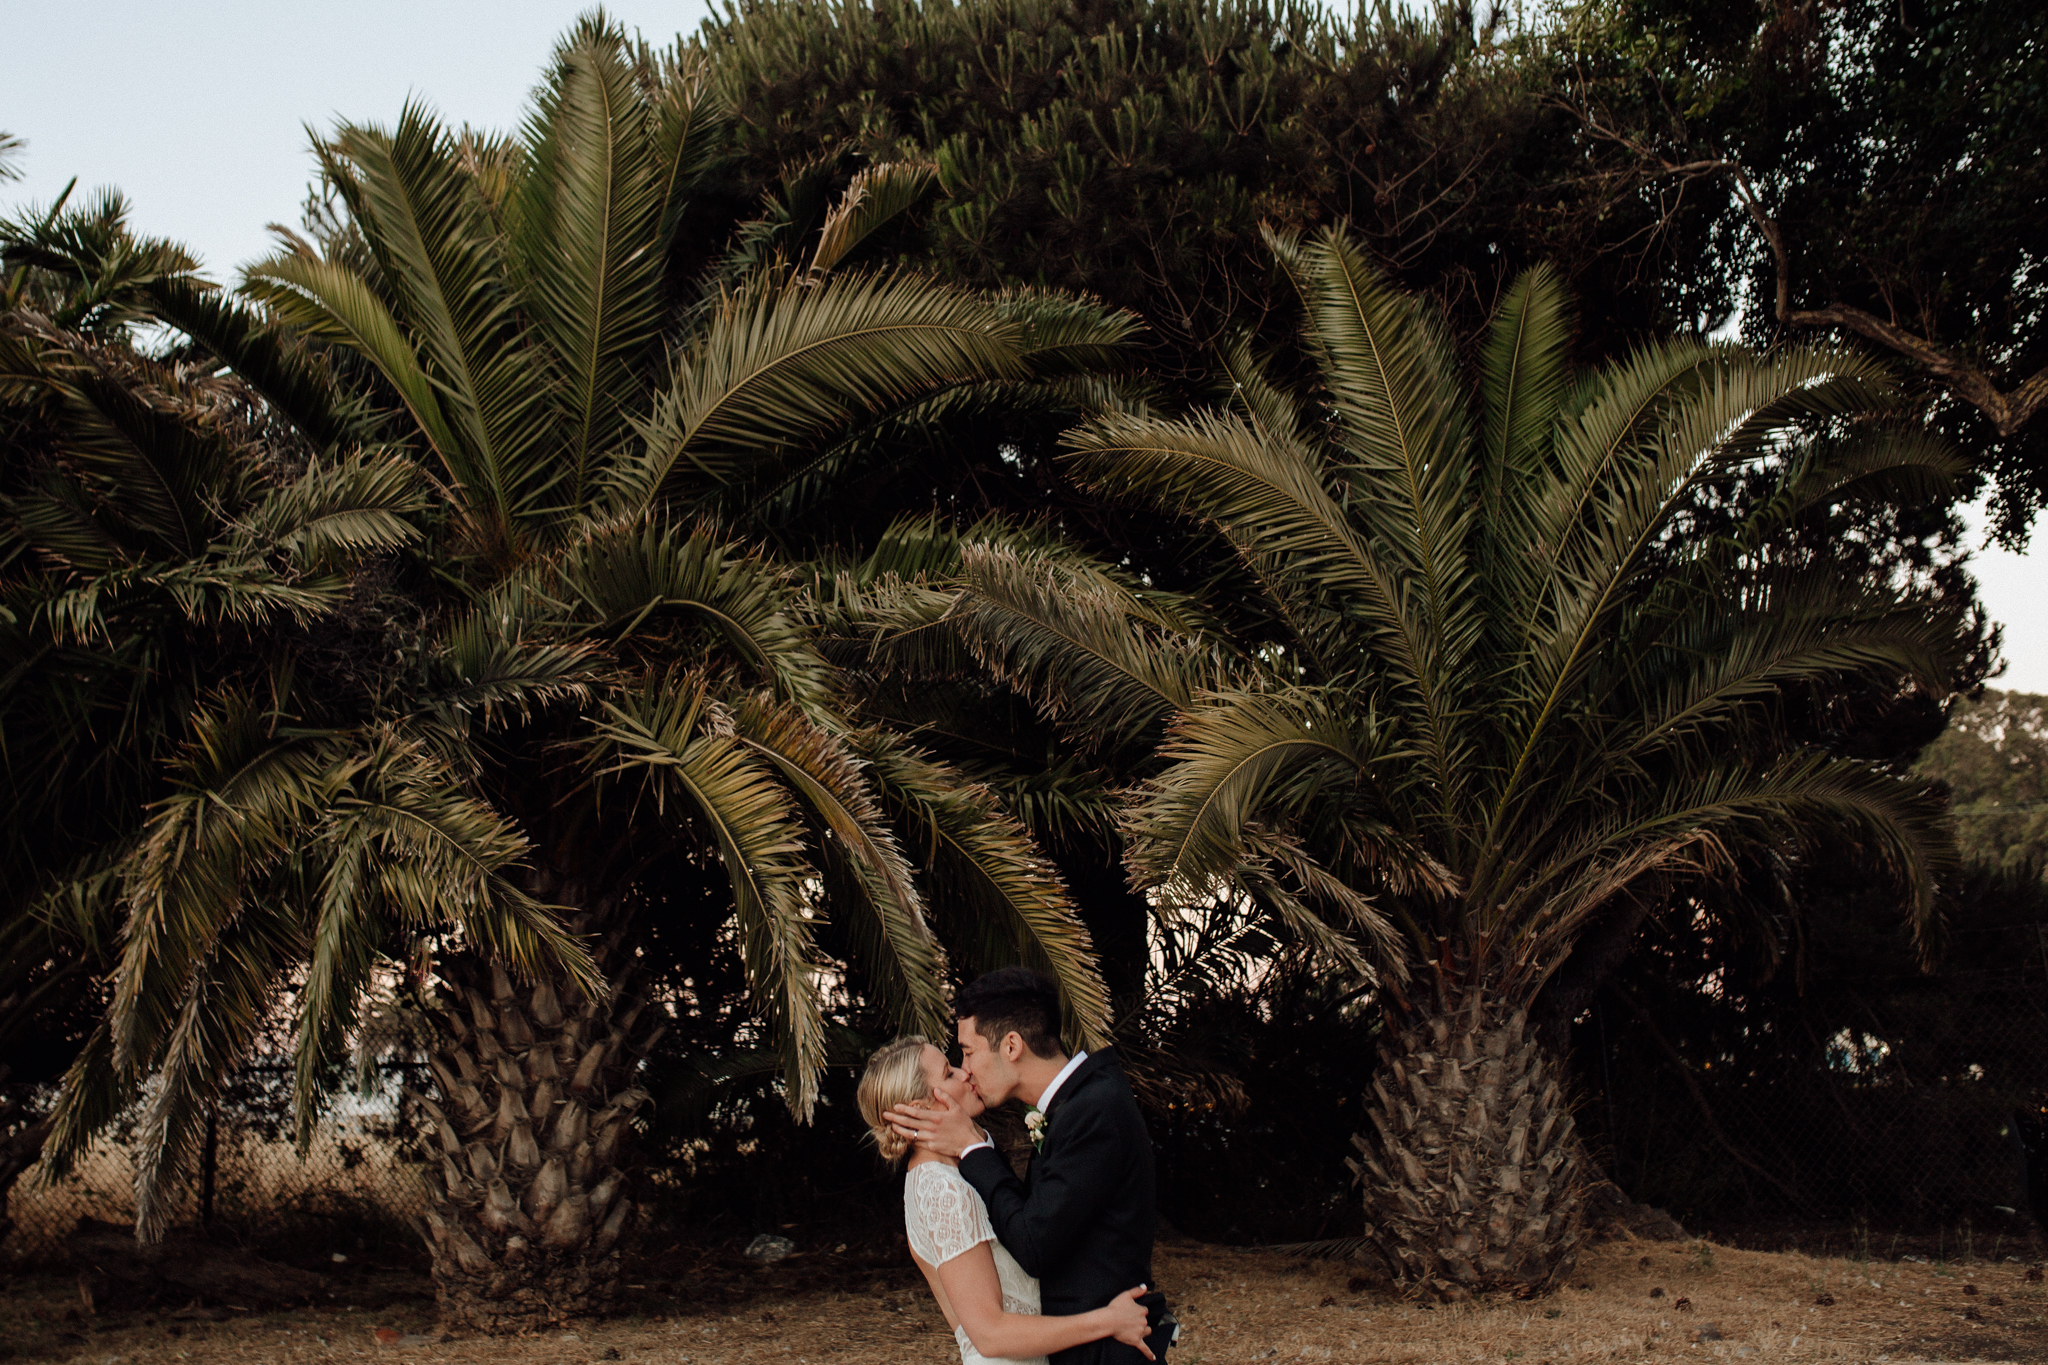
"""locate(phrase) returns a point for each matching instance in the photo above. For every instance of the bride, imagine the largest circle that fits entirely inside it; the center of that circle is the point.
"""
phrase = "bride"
(986, 1296)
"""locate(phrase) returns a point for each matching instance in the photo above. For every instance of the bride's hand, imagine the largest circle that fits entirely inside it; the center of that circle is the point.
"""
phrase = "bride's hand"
(1132, 1320)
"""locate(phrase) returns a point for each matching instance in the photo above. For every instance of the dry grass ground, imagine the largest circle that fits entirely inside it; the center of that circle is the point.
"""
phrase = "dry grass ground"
(1716, 1303)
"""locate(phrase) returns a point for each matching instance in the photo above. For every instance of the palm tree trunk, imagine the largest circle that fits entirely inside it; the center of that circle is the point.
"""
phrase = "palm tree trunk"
(529, 1150)
(1473, 1170)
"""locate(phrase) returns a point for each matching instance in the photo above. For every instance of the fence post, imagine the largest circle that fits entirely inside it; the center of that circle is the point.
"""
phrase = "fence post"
(209, 1162)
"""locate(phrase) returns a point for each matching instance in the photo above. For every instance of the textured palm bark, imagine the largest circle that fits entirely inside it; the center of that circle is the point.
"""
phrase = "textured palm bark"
(1473, 1172)
(529, 1145)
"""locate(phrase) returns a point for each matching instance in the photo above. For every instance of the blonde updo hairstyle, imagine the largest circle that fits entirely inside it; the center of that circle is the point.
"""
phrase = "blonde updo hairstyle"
(895, 1075)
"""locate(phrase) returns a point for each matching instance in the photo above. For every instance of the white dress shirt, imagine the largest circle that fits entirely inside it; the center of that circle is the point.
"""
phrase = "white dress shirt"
(1044, 1098)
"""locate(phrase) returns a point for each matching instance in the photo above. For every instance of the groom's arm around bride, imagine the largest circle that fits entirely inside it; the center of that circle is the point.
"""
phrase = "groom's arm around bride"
(1082, 1221)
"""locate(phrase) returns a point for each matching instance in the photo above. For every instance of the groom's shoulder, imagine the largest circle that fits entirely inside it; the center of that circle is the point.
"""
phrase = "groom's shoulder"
(1100, 1080)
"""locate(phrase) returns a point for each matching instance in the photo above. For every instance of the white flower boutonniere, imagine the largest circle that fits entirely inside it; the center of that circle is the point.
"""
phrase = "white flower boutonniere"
(1034, 1124)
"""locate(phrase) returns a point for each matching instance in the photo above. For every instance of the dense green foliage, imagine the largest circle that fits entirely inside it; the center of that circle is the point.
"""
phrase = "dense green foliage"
(1132, 151)
(1994, 759)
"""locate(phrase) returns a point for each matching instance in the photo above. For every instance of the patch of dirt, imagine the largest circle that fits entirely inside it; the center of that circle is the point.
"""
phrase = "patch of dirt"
(871, 1308)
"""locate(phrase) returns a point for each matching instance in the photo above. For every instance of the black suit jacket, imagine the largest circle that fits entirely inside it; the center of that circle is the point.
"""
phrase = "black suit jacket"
(1084, 1220)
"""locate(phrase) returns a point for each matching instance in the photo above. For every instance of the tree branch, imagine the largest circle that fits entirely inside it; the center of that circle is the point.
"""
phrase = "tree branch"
(2008, 412)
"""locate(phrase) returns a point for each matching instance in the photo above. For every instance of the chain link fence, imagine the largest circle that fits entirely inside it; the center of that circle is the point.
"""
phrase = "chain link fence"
(1910, 1120)
(356, 1178)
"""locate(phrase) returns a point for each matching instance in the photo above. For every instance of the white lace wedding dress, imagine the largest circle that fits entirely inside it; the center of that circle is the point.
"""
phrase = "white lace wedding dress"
(945, 1217)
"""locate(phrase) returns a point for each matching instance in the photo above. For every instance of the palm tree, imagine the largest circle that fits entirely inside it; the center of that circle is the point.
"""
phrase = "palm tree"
(162, 535)
(1508, 674)
(612, 700)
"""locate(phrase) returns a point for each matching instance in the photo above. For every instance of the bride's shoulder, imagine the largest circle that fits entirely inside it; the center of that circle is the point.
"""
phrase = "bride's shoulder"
(937, 1188)
(935, 1173)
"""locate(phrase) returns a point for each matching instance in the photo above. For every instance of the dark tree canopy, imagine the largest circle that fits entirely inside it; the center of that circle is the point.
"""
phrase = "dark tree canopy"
(1871, 167)
(1132, 149)
(1652, 150)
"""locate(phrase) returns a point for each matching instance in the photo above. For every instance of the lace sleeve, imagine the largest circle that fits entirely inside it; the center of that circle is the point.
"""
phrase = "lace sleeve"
(943, 1214)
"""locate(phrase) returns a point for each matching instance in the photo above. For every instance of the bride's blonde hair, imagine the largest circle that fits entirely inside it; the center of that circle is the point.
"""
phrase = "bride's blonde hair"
(895, 1075)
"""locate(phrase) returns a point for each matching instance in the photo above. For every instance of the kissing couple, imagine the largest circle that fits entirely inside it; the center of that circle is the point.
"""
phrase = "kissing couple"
(1056, 1267)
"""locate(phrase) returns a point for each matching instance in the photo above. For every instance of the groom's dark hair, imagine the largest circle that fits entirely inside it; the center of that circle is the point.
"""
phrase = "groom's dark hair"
(1013, 1000)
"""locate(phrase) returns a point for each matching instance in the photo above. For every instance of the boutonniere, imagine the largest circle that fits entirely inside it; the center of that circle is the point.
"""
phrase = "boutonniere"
(1034, 1124)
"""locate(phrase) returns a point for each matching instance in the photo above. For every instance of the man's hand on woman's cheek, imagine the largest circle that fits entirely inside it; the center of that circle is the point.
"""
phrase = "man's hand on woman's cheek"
(946, 1129)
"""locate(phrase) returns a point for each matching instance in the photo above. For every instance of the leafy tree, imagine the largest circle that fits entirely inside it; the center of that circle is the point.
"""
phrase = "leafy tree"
(1502, 695)
(1651, 152)
(1132, 149)
(1868, 170)
(1994, 760)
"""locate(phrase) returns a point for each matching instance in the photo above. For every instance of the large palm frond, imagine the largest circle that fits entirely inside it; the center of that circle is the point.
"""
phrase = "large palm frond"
(294, 382)
(670, 746)
(1094, 655)
(634, 578)
(444, 328)
(779, 365)
(1239, 761)
(588, 239)
(877, 898)
(990, 890)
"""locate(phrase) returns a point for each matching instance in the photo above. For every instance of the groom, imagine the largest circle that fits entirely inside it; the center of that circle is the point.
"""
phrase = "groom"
(1082, 1220)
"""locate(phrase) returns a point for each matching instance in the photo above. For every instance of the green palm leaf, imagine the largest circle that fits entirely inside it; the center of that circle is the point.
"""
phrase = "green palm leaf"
(1900, 825)
(689, 124)
(443, 262)
(587, 238)
(1081, 645)
(243, 796)
(778, 366)
(875, 196)
(329, 301)
(668, 746)
(294, 383)
(882, 906)
(229, 995)
(360, 504)
(635, 578)
(1525, 382)
(988, 885)
(1239, 759)
(489, 665)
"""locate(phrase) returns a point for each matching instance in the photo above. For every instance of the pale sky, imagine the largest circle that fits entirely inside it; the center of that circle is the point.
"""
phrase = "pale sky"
(196, 110)
(2015, 592)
